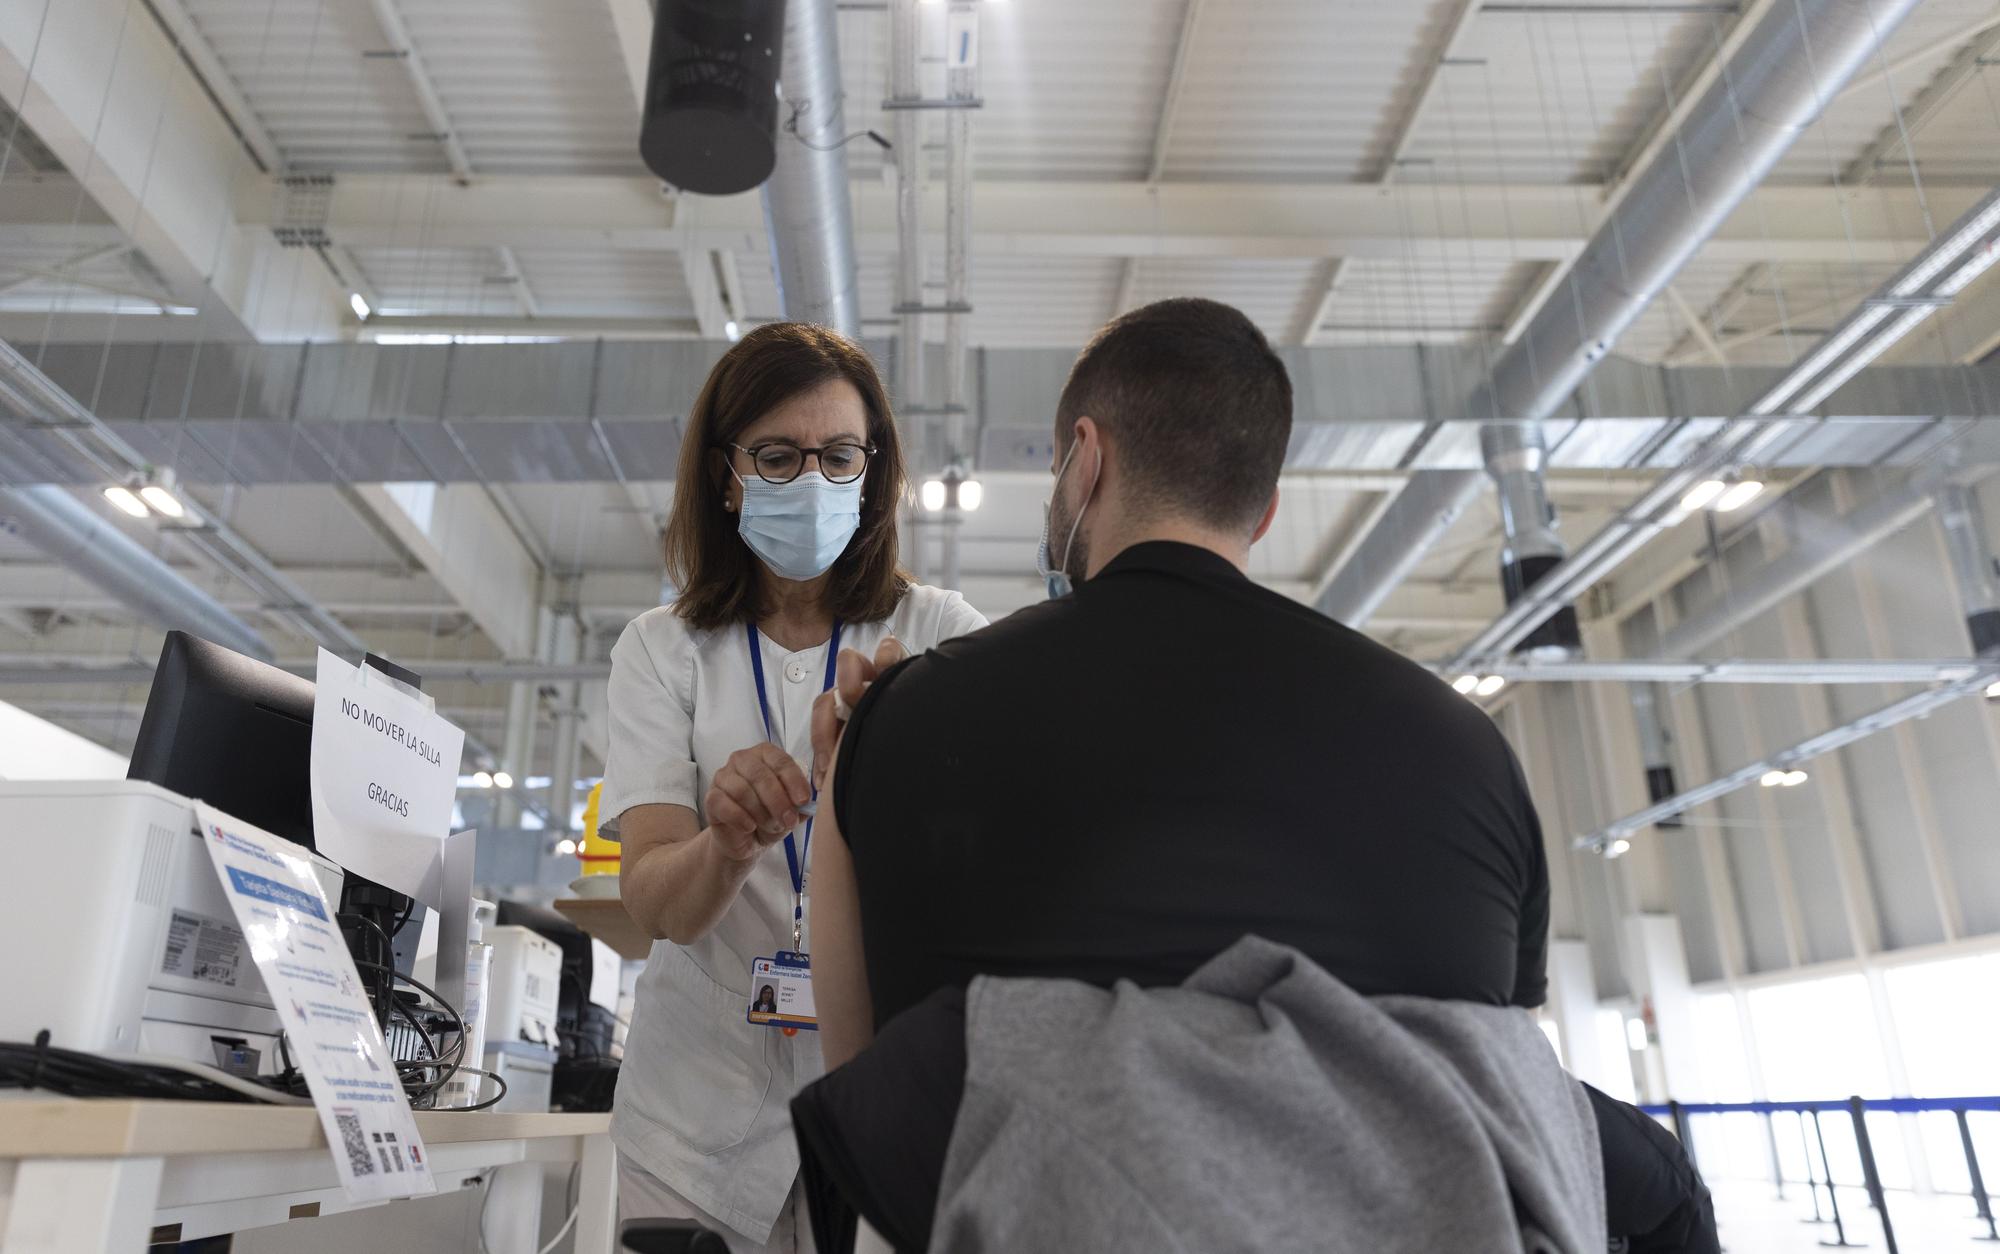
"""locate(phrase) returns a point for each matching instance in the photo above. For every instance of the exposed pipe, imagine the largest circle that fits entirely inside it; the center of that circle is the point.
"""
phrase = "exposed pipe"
(1517, 460)
(905, 23)
(54, 521)
(28, 390)
(1780, 78)
(1973, 564)
(1822, 547)
(1426, 507)
(1935, 275)
(961, 84)
(806, 210)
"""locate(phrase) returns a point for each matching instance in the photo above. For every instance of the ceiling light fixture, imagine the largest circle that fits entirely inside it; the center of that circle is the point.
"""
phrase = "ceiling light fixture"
(502, 780)
(359, 304)
(1490, 685)
(162, 501)
(1738, 494)
(1464, 685)
(121, 496)
(1618, 848)
(1702, 495)
(480, 779)
(931, 495)
(733, 331)
(1772, 779)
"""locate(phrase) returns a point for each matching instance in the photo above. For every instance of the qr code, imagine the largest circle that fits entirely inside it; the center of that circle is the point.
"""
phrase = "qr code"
(355, 1142)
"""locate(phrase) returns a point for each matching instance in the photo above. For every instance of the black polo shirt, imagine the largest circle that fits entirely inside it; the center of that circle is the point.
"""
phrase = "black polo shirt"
(1119, 784)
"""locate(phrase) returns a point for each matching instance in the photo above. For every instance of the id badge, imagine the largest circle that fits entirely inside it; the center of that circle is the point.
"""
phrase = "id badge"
(781, 993)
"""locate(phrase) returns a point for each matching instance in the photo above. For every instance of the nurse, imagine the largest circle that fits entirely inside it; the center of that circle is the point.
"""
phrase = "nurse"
(782, 543)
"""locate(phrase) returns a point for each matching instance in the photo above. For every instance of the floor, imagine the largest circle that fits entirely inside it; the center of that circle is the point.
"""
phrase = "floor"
(1754, 1221)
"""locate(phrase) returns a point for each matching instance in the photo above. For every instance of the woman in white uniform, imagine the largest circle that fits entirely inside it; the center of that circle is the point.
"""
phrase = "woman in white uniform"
(783, 546)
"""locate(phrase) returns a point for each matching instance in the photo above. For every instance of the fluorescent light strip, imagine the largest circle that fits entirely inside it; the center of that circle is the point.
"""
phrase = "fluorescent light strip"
(1943, 255)
(1798, 376)
(1981, 262)
(1852, 366)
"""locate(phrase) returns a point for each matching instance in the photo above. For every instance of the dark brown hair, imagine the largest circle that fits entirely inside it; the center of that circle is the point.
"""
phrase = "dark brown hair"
(1199, 406)
(715, 572)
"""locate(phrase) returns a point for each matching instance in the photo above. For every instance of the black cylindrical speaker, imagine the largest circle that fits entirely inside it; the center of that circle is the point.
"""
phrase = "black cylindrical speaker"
(1560, 630)
(710, 119)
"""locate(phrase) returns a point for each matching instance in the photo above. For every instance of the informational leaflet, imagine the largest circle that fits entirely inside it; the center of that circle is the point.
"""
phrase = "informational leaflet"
(384, 772)
(330, 1031)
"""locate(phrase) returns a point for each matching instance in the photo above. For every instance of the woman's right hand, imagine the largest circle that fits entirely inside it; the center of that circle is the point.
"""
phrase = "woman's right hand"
(754, 801)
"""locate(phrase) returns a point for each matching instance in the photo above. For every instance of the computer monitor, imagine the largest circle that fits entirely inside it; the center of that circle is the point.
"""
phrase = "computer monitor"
(237, 733)
(231, 731)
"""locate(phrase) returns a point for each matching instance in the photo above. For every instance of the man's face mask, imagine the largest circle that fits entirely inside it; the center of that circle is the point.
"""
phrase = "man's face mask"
(1056, 574)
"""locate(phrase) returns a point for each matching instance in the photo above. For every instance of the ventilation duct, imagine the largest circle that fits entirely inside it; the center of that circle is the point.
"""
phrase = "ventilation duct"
(1973, 564)
(1787, 69)
(806, 209)
(711, 108)
(1517, 459)
(55, 522)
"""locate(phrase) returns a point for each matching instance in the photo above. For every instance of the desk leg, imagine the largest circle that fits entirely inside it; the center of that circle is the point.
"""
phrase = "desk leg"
(597, 1197)
(512, 1218)
(82, 1206)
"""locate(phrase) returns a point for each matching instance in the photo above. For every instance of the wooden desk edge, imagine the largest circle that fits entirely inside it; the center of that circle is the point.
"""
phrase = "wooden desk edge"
(38, 1127)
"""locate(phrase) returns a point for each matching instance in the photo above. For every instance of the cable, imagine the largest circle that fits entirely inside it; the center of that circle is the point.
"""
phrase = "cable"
(77, 1073)
(215, 1075)
(490, 1102)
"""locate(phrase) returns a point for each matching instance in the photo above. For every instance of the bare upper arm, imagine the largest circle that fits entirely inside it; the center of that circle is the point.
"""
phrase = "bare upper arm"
(840, 976)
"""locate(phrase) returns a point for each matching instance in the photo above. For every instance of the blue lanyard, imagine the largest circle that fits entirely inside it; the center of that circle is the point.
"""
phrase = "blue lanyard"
(794, 853)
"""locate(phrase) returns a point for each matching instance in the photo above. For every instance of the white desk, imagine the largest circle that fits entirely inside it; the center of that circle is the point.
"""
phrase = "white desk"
(108, 1176)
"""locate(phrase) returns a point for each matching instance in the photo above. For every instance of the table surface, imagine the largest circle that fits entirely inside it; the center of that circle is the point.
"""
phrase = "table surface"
(44, 1127)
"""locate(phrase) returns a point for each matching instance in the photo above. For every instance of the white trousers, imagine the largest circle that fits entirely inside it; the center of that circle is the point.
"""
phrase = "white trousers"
(643, 1195)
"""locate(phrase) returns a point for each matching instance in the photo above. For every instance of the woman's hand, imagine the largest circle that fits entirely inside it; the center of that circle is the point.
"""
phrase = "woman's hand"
(853, 673)
(754, 800)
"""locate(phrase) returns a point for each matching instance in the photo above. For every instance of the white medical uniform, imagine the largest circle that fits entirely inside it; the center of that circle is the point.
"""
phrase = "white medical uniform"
(704, 1097)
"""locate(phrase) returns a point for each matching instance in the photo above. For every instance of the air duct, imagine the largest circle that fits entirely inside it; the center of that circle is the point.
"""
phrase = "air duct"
(1517, 458)
(806, 209)
(1795, 61)
(54, 521)
(1972, 562)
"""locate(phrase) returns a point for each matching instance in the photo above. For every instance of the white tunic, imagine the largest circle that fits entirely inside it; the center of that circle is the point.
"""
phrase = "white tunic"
(703, 1096)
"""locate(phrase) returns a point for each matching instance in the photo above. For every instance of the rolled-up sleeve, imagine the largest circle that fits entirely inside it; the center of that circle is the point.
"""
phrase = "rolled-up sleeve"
(651, 756)
(958, 619)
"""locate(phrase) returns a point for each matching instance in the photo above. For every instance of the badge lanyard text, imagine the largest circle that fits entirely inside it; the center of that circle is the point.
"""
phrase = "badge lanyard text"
(795, 852)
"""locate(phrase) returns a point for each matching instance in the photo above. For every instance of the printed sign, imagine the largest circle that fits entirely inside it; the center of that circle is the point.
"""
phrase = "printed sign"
(332, 1035)
(384, 772)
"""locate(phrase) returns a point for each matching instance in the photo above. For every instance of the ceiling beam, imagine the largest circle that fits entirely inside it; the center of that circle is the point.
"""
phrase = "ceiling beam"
(1697, 325)
(160, 161)
(1170, 100)
(1456, 28)
(463, 539)
(1890, 146)
(1108, 219)
(1640, 156)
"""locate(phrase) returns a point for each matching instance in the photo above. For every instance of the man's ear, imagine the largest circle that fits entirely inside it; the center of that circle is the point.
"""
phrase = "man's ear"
(1270, 516)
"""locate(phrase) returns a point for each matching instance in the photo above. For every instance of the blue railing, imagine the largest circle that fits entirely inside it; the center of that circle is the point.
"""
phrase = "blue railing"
(1857, 1109)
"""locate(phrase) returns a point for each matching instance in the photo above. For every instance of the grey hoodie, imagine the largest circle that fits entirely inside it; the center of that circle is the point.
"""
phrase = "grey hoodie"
(1263, 1105)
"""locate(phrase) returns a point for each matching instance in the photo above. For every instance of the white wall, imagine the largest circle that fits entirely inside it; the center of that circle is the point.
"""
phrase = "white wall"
(34, 748)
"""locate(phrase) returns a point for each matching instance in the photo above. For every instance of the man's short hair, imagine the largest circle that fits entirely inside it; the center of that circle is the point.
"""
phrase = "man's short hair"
(1198, 405)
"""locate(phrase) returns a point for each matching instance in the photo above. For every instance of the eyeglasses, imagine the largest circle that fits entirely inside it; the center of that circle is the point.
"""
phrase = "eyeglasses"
(782, 462)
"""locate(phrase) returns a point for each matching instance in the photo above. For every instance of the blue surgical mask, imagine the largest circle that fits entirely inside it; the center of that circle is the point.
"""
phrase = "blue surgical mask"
(799, 529)
(1055, 575)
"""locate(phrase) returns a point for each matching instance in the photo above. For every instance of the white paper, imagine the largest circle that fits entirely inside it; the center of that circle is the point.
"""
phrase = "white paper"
(330, 1031)
(384, 772)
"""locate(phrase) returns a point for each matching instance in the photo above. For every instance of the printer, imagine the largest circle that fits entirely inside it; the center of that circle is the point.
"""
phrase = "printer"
(120, 937)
